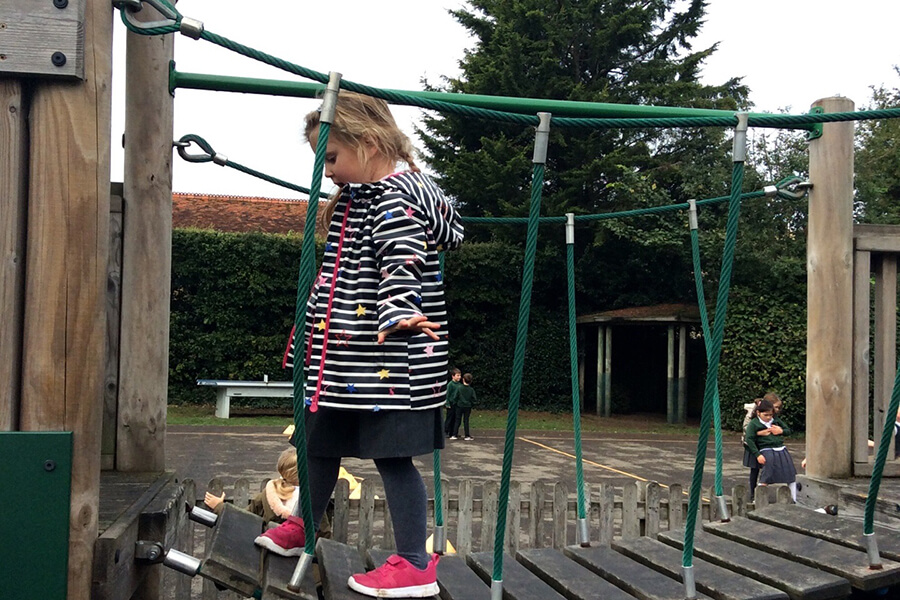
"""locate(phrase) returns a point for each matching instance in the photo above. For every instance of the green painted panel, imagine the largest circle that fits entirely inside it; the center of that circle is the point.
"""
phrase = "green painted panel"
(35, 484)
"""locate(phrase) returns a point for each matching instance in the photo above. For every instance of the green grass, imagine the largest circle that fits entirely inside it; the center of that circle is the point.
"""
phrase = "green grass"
(481, 420)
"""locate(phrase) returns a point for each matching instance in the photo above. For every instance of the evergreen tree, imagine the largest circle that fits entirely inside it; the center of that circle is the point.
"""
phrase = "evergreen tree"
(878, 162)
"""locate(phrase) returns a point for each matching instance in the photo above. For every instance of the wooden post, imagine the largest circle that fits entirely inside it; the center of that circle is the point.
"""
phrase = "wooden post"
(607, 373)
(861, 294)
(829, 298)
(885, 342)
(146, 253)
(13, 190)
(64, 330)
(681, 410)
(601, 387)
(671, 407)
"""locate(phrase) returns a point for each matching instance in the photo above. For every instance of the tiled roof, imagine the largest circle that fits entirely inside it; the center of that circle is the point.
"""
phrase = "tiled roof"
(239, 214)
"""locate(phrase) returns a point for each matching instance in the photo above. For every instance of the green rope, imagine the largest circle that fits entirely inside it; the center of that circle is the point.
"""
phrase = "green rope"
(436, 456)
(576, 399)
(714, 352)
(881, 457)
(515, 389)
(704, 319)
(304, 286)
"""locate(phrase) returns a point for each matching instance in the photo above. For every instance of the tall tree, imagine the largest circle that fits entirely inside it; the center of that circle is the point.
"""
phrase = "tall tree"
(878, 162)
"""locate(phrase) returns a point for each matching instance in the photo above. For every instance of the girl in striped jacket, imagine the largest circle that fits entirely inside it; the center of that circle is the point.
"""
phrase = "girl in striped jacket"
(376, 335)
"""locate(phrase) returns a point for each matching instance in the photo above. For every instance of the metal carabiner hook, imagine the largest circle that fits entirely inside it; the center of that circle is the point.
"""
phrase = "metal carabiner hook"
(164, 8)
(794, 187)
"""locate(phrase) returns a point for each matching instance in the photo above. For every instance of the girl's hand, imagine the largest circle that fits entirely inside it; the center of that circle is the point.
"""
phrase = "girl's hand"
(776, 430)
(419, 324)
(764, 432)
(213, 501)
(761, 459)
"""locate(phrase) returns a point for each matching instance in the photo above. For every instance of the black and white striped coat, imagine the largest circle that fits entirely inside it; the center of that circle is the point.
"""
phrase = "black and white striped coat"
(381, 266)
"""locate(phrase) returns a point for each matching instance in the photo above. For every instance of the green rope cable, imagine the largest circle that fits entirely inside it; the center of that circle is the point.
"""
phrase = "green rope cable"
(704, 319)
(576, 399)
(304, 286)
(515, 389)
(714, 352)
(436, 456)
(881, 457)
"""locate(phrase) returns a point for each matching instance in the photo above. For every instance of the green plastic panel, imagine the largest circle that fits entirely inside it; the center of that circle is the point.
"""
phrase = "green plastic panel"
(35, 484)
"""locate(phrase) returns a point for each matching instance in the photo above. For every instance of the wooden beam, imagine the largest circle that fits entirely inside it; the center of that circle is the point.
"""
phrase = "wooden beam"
(829, 298)
(13, 191)
(671, 406)
(113, 316)
(885, 342)
(146, 254)
(861, 294)
(681, 412)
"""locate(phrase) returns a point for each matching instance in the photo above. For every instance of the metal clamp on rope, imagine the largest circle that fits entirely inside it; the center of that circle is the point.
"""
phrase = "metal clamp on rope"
(690, 586)
(692, 214)
(792, 187)
(740, 138)
(185, 142)
(723, 509)
(131, 5)
(191, 28)
(329, 99)
(439, 541)
(300, 571)
(541, 139)
(165, 9)
(872, 551)
(570, 228)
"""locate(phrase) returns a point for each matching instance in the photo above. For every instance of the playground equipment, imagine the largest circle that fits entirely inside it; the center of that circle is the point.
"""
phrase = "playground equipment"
(54, 312)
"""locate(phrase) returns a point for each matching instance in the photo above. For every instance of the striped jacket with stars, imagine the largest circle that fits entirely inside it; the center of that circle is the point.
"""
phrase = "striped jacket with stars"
(381, 266)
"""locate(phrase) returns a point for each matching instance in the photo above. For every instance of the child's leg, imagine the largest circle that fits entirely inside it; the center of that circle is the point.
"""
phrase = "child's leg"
(457, 418)
(466, 413)
(793, 487)
(754, 478)
(323, 475)
(408, 501)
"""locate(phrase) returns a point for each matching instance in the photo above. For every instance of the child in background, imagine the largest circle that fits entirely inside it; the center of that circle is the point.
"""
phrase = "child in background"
(465, 400)
(749, 459)
(376, 346)
(452, 390)
(277, 500)
(765, 438)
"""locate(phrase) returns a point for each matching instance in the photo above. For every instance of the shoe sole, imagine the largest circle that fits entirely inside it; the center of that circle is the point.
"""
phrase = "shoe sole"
(271, 546)
(414, 591)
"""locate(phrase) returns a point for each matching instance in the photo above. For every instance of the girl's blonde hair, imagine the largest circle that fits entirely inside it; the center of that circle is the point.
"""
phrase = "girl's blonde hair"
(287, 466)
(359, 119)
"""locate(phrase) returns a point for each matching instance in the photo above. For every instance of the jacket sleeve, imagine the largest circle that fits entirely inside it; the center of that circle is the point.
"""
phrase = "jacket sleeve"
(750, 437)
(401, 248)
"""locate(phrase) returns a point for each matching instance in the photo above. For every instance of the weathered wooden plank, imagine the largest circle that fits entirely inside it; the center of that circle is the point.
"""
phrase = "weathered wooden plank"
(216, 487)
(568, 577)
(113, 317)
(715, 581)
(489, 507)
(341, 522)
(337, 562)
(631, 525)
(832, 528)
(676, 507)
(651, 519)
(862, 266)
(277, 572)
(636, 579)
(366, 515)
(536, 515)
(845, 562)
(464, 519)
(13, 193)
(739, 499)
(458, 582)
(798, 581)
(518, 582)
(161, 521)
(34, 31)
(560, 506)
(514, 517)
(232, 559)
(607, 509)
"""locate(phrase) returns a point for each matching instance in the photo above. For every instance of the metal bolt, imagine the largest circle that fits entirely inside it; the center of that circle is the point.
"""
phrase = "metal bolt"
(2, 57)
(49, 465)
(60, 3)
(58, 59)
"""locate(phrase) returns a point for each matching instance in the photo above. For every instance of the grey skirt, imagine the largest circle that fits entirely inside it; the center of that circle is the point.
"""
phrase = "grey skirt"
(779, 467)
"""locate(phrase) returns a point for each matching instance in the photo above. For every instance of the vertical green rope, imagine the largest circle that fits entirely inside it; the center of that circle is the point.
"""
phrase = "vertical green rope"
(576, 398)
(714, 349)
(881, 457)
(704, 319)
(537, 184)
(304, 286)
(436, 458)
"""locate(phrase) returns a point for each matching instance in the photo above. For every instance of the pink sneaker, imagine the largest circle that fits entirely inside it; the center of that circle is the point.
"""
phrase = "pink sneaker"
(287, 539)
(397, 578)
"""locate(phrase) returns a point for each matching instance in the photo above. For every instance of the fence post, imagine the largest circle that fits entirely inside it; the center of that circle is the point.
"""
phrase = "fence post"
(607, 510)
(366, 515)
(676, 507)
(536, 515)
(341, 517)
(514, 517)
(631, 526)
(560, 508)
(651, 518)
(739, 499)
(489, 496)
(464, 519)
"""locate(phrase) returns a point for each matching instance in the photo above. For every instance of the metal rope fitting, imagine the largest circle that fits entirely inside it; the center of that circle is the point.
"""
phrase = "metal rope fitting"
(329, 99)
(582, 535)
(872, 551)
(770, 190)
(570, 228)
(220, 159)
(793, 187)
(191, 28)
(132, 5)
(165, 9)
(300, 571)
(723, 509)
(185, 142)
(690, 587)
(692, 214)
(541, 139)
(740, 138)
(496, 589)
(439, 541)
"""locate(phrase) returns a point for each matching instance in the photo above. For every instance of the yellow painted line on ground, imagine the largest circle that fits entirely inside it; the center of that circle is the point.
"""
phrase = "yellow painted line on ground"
(596, 464)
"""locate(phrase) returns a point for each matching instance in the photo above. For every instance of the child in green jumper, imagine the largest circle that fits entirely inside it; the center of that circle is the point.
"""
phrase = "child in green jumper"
(764, 437)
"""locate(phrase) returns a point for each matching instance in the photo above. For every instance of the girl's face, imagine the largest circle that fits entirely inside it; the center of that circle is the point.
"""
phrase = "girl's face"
(765, 415)
(776, 408)
(345, 164)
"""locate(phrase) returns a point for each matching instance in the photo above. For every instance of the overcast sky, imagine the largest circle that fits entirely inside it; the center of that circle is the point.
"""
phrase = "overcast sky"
(790, 53)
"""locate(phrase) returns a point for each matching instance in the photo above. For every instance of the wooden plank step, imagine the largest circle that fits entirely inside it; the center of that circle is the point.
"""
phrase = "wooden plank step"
(713, 580)
(277, 574)
(568, 577)
(337, 562)
(233, 560)
(848, 563)
(834, 528)
(455, 579)
(518, 582)
(638, 580)
(798, 581)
